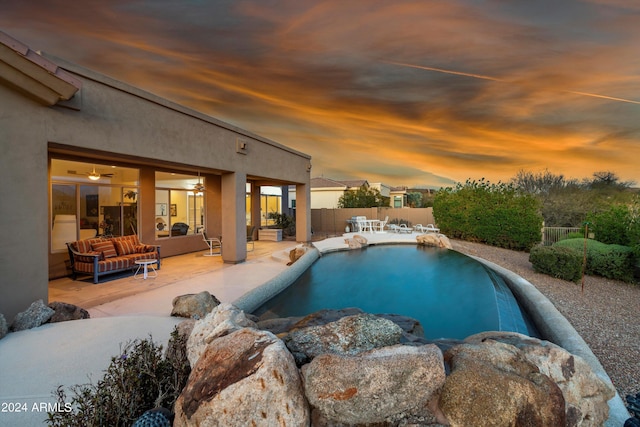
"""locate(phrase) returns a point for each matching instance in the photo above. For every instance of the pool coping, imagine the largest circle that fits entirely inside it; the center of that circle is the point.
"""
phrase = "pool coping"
(546, 317)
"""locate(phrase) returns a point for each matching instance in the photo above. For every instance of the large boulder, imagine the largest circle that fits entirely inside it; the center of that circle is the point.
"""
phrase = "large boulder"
(348, 335)
(65, 312)
(245, 378)
(356, 242)
(4, 328)
(493, 384)
(37, 314)
(412, 328)
(322, 317)
(585, 393)
(278, 325)
(295, 254)
(436, 240)
(222, 320)
(195, 306)
(388, 385)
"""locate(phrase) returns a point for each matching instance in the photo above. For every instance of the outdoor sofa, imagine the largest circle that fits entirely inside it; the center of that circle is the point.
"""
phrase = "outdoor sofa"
(99, 256)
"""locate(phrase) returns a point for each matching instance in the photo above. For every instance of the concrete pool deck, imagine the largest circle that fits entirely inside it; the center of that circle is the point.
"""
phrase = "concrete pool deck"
(34, 362)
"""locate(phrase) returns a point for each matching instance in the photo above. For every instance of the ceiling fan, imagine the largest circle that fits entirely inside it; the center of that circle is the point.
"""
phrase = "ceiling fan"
(199, 187)
(93, 175)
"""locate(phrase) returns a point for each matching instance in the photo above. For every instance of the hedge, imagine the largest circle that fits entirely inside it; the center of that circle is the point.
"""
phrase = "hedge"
(610, 261)
(495, 214)
(557, 261)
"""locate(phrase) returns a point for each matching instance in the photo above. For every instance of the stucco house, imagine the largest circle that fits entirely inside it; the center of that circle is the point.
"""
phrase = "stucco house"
(104, 157)
(326, 192)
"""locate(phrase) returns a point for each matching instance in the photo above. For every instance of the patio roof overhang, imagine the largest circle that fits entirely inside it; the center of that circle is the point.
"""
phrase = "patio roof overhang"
(34, 75)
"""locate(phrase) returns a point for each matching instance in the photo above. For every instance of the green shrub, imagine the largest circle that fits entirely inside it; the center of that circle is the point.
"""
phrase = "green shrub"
(611, 261)
(285, 222)
(611, 226)
(574, 235)
(137, 380)
(557, 261)
(495, 214)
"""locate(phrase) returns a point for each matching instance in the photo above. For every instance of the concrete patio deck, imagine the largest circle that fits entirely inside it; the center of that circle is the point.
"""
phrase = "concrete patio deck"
(122, 294)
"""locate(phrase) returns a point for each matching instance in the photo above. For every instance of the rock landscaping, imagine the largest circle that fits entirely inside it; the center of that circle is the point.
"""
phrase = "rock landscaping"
(348, 368)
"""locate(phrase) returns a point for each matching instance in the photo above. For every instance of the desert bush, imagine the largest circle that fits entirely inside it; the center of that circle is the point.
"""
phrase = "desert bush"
(138, 379)
(557, 261)
(574, 235)
(611, 261)
(285, 222)
(495, 214)
(611, 226)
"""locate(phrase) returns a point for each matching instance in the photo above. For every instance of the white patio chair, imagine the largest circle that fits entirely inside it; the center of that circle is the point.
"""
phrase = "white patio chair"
(402, 228)
(213, 243)
(430, 228)
(383, 224)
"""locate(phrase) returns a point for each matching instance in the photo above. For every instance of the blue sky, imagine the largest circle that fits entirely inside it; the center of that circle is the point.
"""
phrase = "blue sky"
(427, 92)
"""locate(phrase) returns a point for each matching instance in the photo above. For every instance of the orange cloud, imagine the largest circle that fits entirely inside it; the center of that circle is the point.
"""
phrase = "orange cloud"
(406, 92)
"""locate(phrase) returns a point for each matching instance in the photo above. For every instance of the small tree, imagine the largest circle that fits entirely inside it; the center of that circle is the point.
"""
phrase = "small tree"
(363, 197)
(414, 199)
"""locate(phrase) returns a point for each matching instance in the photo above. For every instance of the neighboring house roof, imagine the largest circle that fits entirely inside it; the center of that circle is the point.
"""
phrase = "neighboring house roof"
(322, 182)
(33, 74)
(356, 183)
(398, 189)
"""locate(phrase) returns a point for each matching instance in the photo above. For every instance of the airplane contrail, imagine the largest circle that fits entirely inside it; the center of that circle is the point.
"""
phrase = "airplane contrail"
(483, 77)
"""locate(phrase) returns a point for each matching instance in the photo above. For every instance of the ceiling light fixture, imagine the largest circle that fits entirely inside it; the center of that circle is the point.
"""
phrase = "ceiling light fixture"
(199, 186)
(94, 176)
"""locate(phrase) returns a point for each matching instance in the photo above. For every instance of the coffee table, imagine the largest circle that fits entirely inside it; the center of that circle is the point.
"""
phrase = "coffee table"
(145, 264)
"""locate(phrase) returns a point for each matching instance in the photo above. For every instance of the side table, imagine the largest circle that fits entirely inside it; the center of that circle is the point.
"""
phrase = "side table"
(145, 264)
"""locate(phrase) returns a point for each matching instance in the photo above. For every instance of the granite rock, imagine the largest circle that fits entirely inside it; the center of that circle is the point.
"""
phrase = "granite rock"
(388, 386)
(4, 328)
(65, 312)
(348, 335)
(37, 314)
(195, 306)
(241, 379)
(223, 319)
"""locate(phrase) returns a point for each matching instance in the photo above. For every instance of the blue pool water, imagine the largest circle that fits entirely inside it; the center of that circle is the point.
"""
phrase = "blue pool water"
(452, 295)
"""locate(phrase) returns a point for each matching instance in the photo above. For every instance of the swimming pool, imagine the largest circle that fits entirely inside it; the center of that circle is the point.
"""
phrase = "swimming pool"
(452, 295)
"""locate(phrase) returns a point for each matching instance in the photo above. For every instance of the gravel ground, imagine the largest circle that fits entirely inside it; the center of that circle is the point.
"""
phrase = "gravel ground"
(606, 314)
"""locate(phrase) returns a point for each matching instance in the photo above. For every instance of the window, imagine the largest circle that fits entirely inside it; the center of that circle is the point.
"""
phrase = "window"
(82, 207)
(270, 203)
(179, 205)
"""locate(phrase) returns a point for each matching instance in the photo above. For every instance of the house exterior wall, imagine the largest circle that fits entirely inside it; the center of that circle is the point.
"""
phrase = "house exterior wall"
(110, 120)
(325, 198)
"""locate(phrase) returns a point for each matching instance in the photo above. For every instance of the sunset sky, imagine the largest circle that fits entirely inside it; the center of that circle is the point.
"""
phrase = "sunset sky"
(416, 93)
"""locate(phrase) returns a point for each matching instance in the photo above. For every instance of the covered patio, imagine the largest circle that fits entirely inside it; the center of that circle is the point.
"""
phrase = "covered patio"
(122, 294)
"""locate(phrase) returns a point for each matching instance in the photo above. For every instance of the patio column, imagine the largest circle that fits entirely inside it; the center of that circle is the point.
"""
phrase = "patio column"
(303, 213)
(234, 232)
(256, 219)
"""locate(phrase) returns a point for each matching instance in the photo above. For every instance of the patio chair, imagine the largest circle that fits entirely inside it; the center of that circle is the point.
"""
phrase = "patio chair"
(402, 228)
(383, 224)
(213, 243)
(361, 223)
(430, 228)
(250, 232)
